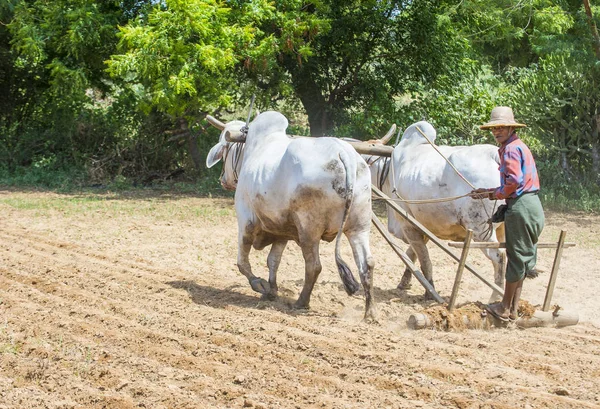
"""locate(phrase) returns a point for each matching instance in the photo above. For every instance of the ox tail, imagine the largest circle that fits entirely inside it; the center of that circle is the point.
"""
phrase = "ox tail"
(350, 284)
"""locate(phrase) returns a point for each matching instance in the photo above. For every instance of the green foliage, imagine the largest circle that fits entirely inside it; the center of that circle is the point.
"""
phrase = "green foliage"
(456, 106)
(43, 174)
(114, 93)
(564, 193)
(563, 118)
(372, 52)
(182, 54)
(53, 53)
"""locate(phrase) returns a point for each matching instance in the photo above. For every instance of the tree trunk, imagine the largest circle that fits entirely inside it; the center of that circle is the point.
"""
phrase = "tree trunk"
(593, 28)
(563, 158)
(312, 98)
(314, 103)
(192, 144)
(596, 147)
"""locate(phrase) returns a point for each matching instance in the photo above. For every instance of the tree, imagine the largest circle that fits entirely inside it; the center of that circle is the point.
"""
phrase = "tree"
(53, 54)
(189, 55)
(546, 53)
(359, 56)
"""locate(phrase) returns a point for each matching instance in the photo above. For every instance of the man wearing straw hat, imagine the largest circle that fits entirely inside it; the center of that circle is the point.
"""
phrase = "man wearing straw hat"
(524, 217)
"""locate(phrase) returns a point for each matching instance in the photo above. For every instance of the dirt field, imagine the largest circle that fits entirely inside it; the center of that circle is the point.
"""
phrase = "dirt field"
(136, 302)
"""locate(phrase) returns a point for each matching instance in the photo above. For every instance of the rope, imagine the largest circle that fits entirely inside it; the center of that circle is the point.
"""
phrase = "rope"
(422, 201)
(234, 148)
(488, 230)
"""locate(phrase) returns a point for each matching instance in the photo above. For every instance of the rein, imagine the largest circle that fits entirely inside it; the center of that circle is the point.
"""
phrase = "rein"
(235, 149)
(423, 201)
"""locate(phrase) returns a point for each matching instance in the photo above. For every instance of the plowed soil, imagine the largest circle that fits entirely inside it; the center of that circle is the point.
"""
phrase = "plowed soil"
(135, 301)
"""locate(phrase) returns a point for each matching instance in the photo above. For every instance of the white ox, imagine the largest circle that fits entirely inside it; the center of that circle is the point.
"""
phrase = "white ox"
(304, 189)
(418, 172)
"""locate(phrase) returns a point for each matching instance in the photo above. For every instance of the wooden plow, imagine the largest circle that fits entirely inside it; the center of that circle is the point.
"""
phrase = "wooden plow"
(557, 318)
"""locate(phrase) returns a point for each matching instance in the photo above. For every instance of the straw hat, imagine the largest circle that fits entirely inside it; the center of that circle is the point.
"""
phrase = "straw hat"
(502, 116)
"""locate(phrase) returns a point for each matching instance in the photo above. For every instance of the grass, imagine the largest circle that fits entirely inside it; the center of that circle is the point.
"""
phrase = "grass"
(559, 193)
(61, 180)
(564, 193)
(75, 180)
(74, 195)
(130, 204)
(561, 200)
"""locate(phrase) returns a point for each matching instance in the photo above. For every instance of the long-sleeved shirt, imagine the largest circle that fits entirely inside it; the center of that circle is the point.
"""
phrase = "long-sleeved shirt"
(518, 173)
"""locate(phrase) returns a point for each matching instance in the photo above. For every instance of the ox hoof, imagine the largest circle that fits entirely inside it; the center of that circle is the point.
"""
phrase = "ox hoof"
(300, 306)
(427, 295)
(270, 296)
(405, 282)
(404, 286)
(371, 317)
(260, 285)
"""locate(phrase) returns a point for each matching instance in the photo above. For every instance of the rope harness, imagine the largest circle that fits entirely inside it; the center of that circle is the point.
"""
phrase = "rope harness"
(381, 178)
(244, 128)
(234, 148)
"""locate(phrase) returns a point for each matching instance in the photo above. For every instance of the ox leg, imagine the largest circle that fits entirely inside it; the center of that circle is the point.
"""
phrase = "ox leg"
(419, 245)
(407, 276)
(312, 270)
(498, 258)
(365, 263)
(273, 261)
(243, 262)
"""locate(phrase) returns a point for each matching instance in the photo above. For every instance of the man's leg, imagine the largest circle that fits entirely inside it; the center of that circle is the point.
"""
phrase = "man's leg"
(514, 310)
(502, 310)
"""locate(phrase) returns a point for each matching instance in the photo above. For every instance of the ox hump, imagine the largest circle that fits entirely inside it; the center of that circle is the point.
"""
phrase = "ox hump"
(267, 123)
(412, 136)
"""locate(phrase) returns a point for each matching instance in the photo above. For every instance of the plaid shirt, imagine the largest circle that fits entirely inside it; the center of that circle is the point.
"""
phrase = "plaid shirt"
(518, 173)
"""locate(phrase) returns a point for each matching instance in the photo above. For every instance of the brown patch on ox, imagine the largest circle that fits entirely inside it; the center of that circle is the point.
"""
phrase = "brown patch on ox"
(264, 239)
(336, 168)
(316, 210)
(270, 228)
(454, 232)
(308, 204)
(249, 231)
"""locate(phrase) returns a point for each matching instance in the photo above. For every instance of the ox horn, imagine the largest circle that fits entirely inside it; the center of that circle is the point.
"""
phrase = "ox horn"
(235, 136)
(386, 138)
(215, 122)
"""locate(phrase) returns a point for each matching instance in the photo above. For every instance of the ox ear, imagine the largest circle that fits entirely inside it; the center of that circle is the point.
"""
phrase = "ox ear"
(215, 155)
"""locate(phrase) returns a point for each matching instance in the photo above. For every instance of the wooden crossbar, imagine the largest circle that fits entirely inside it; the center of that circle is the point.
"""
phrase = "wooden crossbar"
(488, 245)
(467, 244)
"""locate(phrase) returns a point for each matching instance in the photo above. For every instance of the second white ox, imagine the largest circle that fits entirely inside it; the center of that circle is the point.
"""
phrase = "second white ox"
(306, 190)
(418, 173)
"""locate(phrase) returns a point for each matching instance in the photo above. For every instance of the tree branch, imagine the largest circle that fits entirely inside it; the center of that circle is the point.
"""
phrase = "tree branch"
(593, 28)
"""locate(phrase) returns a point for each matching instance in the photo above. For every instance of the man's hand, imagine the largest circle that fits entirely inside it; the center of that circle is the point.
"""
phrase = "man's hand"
(483, 193)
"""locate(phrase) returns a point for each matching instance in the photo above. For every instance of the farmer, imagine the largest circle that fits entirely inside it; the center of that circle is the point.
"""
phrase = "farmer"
(524, 217)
